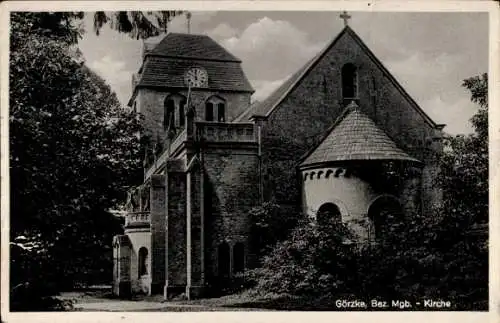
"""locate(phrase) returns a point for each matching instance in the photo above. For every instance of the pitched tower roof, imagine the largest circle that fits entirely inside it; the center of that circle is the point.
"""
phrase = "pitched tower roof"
(354, 136)
(192, 46)
(165, 64)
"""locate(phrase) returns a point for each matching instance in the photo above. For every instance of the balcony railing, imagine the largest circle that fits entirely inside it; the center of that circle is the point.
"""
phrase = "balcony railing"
(209, 132)
(136, 219)
(226, 132)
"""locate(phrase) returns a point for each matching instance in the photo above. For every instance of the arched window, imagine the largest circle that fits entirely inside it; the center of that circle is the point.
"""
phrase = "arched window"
(224, 262)
(209, 111)
(174, 111)
(182, 109)
(385, 214)
(215, 109)
(221, 111)
(238, 258)
(143, 261)
(328, 213)
(349, 81)
(169, 113)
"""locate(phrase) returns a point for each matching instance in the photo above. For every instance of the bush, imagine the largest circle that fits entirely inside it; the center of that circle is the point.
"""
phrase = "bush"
(423, 258)
(302, 264)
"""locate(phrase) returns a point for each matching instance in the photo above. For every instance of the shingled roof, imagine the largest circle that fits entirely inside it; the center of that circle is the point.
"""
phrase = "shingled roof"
(268, 105)
(353, 137)
(168, 72)
(165, 65)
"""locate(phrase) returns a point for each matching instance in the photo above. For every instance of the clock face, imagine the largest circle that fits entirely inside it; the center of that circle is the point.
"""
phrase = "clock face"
(196, 77)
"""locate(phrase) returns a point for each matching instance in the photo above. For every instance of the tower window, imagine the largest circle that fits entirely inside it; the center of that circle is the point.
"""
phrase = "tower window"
(182, 110)
(209, 111)
(169, 113)
(221, 107)
(174, 110)
(349, 81)
(215, 109)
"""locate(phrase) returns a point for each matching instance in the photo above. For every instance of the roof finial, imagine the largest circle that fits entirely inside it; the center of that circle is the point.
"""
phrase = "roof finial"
(353, 106)
(188, 18)
(345, 16)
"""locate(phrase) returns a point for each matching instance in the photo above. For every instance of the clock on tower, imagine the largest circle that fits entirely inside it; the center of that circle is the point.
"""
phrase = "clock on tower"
(196, 77)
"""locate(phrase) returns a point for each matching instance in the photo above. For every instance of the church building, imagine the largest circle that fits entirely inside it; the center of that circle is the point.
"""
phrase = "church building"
(340, 138)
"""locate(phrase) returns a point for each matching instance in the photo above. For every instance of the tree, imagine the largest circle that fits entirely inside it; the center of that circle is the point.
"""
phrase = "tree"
(74, 151)
(465, 162)
(137, 24)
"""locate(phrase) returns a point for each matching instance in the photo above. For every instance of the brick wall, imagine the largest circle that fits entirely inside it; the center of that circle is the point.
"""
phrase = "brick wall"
(195, 222)
(176, 228)
(231, 189)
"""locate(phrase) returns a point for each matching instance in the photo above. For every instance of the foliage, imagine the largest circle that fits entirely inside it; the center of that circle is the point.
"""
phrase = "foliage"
(271, 223)
(464, 163)
(74, 152)
(137, 24)
(301, 264)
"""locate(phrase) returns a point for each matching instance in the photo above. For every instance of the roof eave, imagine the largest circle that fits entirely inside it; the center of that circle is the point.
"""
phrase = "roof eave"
(311, 65)
(315, 165)
(143, 86)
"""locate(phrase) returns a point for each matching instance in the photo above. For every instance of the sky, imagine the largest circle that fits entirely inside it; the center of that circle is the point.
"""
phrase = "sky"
(430, 54)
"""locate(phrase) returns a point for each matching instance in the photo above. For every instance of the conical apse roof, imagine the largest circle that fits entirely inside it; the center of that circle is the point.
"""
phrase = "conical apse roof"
(355, 137)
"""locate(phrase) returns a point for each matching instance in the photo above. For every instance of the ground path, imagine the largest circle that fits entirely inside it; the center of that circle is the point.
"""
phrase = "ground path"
(90, 302)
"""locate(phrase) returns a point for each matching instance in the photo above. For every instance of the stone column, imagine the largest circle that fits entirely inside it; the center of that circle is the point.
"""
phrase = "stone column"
(157, 218)
(194, 234)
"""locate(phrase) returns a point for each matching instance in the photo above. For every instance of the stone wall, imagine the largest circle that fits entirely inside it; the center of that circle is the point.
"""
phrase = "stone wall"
(314, 104)
(231, 190)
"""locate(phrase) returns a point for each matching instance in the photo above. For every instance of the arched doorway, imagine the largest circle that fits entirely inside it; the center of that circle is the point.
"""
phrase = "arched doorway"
(143, 262)
(329, 213)
(385, 213)
(238, 258)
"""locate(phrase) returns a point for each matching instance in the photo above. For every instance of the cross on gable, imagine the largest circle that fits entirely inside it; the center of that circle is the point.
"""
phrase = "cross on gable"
(188, 19)
(345, 16)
